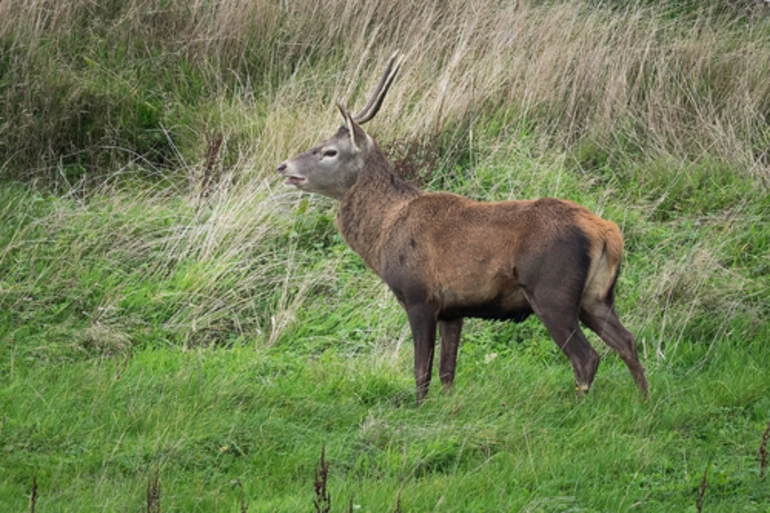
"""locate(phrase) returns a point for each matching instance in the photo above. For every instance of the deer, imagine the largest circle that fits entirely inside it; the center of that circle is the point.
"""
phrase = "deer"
(446, 257)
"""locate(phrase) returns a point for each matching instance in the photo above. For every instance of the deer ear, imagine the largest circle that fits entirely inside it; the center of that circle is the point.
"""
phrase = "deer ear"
(357, 134)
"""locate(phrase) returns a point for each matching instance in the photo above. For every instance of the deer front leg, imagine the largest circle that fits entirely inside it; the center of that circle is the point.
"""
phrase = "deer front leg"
(449, 332)
(422, 320)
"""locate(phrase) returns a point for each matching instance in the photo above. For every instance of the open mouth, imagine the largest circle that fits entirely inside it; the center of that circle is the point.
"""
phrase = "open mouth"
(295, 180)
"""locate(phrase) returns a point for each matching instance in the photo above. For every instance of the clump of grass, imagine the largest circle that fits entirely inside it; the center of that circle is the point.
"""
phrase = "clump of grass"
(129, 270)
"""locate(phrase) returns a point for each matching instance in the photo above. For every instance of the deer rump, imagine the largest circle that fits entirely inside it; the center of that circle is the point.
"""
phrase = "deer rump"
(447, 257)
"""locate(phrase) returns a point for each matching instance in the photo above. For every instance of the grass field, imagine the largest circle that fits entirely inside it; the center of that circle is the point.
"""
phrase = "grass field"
(180, 332)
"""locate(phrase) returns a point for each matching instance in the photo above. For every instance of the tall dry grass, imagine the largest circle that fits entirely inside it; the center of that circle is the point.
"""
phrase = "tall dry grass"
(638, 79)
(202, 99)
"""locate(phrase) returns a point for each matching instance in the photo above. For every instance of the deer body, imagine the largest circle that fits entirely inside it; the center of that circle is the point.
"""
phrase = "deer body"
(447, 257)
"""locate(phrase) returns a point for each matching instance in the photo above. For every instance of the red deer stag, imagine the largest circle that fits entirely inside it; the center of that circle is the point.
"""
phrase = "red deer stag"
(446, 257)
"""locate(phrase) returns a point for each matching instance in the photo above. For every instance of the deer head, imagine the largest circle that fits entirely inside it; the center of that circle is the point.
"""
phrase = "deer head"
(332, 167)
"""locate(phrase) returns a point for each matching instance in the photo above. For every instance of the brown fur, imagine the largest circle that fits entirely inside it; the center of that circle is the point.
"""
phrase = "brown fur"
(446, 257)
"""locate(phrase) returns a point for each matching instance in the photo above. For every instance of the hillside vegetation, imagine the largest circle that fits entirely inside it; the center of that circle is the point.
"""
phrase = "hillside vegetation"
(170, 313)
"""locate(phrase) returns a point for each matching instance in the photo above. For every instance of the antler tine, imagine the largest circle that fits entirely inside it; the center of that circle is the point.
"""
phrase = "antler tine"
(375, 102)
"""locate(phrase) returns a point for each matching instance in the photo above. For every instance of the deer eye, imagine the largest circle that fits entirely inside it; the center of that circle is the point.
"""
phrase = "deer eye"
(330, 153)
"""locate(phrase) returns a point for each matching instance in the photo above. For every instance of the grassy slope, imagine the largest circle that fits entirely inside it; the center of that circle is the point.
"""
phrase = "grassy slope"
(221, 425)
(184, 314)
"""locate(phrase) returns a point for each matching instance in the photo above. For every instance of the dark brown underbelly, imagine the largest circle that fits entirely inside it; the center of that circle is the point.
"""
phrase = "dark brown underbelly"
(488, 311)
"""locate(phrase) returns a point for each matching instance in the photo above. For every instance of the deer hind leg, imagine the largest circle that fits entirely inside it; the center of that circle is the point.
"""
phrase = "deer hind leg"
(422, 321)
(561, 321)
(600, 317)
(449, 332)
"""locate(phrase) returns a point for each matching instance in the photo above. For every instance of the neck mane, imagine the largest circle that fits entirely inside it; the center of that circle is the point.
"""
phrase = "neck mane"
(371, 206)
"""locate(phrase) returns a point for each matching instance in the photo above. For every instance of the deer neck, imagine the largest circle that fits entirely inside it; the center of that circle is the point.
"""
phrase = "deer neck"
(369, 209)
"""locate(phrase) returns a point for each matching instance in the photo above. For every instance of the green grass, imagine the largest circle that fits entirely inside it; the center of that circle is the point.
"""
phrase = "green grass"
(169, 309)
(225, 425)
(116, 365)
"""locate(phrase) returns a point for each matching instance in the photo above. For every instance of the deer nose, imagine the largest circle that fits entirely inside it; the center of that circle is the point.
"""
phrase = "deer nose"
(282, 168)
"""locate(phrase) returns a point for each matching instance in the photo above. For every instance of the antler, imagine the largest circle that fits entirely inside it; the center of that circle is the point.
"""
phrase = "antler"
(375, 102)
